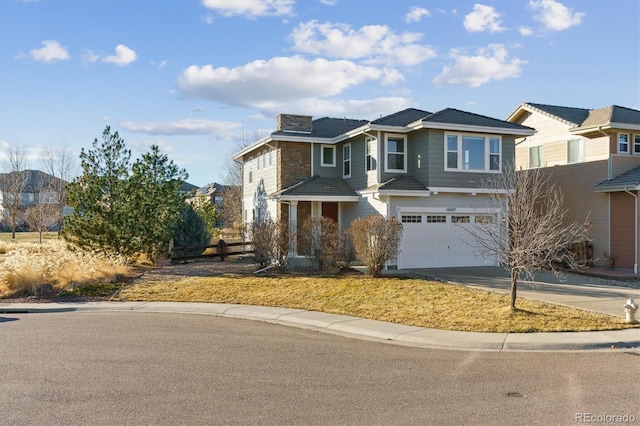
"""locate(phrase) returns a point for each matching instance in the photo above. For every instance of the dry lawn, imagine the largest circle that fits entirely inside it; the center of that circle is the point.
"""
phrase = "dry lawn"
(405, 301)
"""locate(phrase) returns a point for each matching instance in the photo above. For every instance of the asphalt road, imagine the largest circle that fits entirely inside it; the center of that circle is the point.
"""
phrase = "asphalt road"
(108, 368)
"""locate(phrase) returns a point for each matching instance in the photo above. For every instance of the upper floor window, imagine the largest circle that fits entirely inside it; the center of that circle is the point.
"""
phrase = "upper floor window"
(396, 149)
(536, 156)
(328, 156)
(370, 158)
(473, 153)
(346, 160)
(575, 151)
(623, 143)
(636, 144)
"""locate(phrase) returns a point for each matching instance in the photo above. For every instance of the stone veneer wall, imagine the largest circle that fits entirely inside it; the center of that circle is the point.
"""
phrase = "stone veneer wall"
(294, 123)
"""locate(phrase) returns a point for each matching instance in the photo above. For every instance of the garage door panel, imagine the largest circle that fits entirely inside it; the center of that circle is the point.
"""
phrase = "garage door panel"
(427, 245)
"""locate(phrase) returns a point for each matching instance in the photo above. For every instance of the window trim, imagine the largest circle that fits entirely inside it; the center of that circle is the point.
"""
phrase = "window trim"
(580, 159)
(345, 161)
(387, 153)
(539, 147)
(369, 159)
(322, 159)
(636, 144)
(460, 156)
(627, 143)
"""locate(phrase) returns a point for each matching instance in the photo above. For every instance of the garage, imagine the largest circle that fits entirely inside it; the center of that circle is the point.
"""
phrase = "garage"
(442, 239)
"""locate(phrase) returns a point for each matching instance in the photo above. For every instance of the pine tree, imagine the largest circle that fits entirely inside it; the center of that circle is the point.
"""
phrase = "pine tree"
(102, 217)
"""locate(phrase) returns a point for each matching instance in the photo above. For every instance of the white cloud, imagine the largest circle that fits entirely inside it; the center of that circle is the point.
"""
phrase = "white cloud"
(489, 64)
(329, 2)
(51, 51)
(416, 14)
(276, 80)
(144, 145)
(207, 18)
(124, 56)
(554, 15)
(251, 8)
(376, 44)
(182, 127)
(88, 56)
(525, 31)
(483, 18)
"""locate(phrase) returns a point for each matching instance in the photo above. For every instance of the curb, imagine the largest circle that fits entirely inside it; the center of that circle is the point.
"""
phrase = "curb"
(353, 327)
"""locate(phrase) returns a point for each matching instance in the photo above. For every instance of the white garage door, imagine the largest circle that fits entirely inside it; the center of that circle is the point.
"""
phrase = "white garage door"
(435, 240)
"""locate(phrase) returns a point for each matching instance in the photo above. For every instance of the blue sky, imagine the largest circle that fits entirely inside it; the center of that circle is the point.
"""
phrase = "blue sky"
(197, 77)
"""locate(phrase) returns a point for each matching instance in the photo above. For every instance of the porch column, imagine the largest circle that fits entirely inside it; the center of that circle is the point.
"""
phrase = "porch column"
(293, 228)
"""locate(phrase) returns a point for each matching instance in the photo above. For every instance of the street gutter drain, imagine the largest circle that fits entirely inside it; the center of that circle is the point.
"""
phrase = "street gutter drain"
(515, 394)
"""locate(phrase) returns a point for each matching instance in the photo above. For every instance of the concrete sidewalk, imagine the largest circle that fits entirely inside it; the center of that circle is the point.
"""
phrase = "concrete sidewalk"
(360, 328)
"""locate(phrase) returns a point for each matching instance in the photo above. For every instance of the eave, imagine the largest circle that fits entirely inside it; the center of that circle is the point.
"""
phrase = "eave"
(324, 198)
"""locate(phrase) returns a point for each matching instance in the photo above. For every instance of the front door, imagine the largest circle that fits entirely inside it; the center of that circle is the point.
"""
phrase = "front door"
(330, 210)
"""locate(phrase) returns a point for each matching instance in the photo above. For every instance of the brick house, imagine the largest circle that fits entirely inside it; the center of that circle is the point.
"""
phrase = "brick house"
(423, 168)
(594, 156)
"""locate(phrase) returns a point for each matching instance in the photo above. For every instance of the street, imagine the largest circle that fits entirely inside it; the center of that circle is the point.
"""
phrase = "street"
(145, 368)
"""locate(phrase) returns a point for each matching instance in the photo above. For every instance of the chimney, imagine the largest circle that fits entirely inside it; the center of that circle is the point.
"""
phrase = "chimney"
(294, 123)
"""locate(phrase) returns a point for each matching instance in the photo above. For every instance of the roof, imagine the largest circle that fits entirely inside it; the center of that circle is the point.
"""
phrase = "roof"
(335, 188)
(629, 180)
(401, 118)
(455, 116)
(399, 183)
(34, 180)
(211, 188)
(187, 187)
(583, 118)
(327, 128)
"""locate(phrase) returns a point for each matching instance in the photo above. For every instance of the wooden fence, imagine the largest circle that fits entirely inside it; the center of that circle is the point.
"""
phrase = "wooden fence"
(221, 250)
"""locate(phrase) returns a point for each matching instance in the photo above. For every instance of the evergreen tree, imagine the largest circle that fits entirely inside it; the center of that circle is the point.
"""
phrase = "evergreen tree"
(156, 200)
(101, 219)
(191, 230)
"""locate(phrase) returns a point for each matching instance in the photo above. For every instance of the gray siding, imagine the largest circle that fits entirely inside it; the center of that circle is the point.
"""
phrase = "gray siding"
(320, 170)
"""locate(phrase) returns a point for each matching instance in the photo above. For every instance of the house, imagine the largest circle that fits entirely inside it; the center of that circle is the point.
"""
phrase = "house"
(593, 155)
(423, 168)
(33, 187)
(213, 191)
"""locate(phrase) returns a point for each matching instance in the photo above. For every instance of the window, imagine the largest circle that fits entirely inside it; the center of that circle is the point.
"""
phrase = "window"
(396, 150)
(270, 154)
(575, 151)
(328, 156)
(436, 219)
(623, 143)
(411, 219)
(484, 218)
(636, 144)
(460, 219)
(264, 159)
(473, 153)
(536, 156)
(370, 159)
(346, 160)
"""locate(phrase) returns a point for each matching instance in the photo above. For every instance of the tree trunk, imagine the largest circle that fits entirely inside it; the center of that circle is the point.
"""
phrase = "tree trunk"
(514, 283)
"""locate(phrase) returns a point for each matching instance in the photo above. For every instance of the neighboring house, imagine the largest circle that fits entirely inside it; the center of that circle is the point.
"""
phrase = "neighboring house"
(423, 168)
(35, 187)
(213, 191)
(187, 187)
(594, 157)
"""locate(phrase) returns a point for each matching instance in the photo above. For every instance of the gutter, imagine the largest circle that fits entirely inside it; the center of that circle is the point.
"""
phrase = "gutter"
(635, 234)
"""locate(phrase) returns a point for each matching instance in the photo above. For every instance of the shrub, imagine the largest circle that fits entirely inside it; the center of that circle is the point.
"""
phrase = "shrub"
(321, 237)
(191, 230)
(345, 254)
(375, 239)
(271, 243)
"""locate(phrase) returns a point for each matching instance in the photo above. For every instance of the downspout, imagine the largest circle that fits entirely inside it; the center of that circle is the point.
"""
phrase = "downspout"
(635, 234)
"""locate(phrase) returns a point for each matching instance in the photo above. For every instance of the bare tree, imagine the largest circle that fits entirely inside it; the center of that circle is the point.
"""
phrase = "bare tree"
(533, 234)
(40, 217)
(13, 184)
(321, 236)
(375, 239)
(62, 165)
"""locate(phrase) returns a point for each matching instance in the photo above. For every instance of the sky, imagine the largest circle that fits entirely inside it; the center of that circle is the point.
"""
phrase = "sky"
(199, 78)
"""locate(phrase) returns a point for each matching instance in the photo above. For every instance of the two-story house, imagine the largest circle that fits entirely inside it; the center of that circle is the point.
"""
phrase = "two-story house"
(593, 155)
(423, 168)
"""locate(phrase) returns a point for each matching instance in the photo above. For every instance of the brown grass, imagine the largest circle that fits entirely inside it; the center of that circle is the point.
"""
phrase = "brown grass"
(404, 301)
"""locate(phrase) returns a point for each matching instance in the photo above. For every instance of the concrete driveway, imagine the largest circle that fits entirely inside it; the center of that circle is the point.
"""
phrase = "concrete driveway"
(581, 291)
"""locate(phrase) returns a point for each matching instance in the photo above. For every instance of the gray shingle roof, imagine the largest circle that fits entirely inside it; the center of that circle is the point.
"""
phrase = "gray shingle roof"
(320, 186)
(402, 118)
(31, 180)
(570, 114)
(400, 183)
(327, 127)
(629, 179)
(455, 116)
